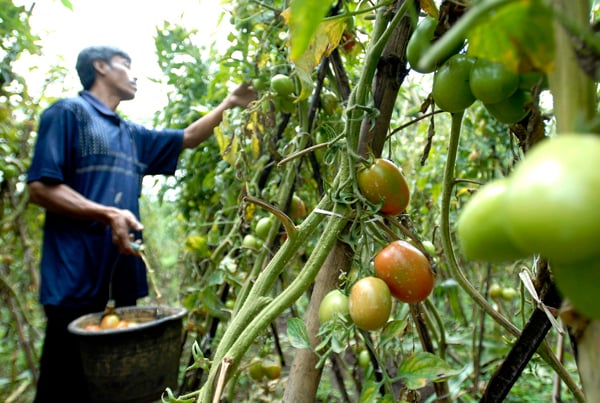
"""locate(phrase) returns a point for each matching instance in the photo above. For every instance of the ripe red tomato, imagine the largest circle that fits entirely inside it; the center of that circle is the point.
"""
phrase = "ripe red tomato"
(370, 303)
(405, 270)
(384, 182)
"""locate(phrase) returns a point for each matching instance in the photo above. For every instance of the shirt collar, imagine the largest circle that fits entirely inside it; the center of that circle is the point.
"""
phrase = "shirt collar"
(98, 105)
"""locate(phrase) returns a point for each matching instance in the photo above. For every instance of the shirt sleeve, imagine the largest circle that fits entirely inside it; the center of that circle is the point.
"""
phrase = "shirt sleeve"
(52, 153)
(159, 150)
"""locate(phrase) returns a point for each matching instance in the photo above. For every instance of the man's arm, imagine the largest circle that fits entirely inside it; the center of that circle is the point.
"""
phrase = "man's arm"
(62, 199)
(203, 128)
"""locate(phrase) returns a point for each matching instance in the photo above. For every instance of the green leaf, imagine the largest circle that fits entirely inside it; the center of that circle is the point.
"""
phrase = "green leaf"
(519, 35)
(421, 367)
(370, 392)
(297, 333)
(392, 330)
(304, 18)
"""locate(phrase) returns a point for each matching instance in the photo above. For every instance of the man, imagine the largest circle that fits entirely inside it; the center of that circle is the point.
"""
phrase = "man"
(87, 171)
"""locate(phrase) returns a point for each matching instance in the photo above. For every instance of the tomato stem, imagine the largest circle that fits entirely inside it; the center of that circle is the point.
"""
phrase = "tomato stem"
(573, 91)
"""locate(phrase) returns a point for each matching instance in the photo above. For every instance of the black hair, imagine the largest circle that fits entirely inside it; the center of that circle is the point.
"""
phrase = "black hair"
(86, 58)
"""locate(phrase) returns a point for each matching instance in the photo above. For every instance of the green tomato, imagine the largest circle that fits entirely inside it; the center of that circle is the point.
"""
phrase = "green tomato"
(512, 109)
(492, 82)
(251, 242)
(334, 304)
(495, 291)
(553, 199)
(482, 227)
(282, 85)
(429, 247)
(451, 89)
(364, 358)
(263, 226)
(256, 371)
(421, 41)
(329, 102)
(578, 282)
(509, 293)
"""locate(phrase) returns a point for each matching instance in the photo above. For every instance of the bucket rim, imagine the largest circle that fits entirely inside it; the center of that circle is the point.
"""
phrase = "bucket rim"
(177, 313)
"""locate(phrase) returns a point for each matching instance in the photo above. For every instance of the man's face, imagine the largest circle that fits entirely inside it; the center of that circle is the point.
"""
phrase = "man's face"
(122, 78)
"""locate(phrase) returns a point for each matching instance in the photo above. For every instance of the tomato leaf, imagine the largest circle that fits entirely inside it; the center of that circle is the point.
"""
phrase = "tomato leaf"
(519, 35)
(297, 333)
(393, 330)
(370, 392)
(303, 21)
(421, 367)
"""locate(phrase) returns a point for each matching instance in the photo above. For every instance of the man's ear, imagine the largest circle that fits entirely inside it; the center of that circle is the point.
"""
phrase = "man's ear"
(100, 66)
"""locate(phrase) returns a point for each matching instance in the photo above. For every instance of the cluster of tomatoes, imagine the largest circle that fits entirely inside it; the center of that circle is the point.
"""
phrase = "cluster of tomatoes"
(110, 321)
(461, 79)
(402, 271)
(548, 205)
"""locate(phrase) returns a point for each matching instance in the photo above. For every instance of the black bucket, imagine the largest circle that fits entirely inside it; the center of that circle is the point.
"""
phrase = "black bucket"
(133, 364)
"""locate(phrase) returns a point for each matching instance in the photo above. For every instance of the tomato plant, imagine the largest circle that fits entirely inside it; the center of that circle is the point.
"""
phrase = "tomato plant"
(334, 304)
(421, 41)
(405, 270)
(553, 198)
(482, 228)
(383, 182)
(492, 82)
(451, 90)
(370, 303)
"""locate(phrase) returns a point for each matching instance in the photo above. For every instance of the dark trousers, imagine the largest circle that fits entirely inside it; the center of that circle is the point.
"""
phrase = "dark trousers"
(61, 377)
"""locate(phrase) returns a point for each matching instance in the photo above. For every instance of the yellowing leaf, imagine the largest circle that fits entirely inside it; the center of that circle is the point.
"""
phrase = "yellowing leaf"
(520, 35)
(326, 38)
(303, 19)
(430, 8)
(228, 146)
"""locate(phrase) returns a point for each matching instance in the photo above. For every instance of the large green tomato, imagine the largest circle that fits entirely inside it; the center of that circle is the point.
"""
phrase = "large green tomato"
(578, 282)
(282, 85)
(512, 109)
(383, 182)
(492, 82)
(370, 303)
(421, 41)
(334, 304)
(482, 228)
(451, 89)
(553, 201)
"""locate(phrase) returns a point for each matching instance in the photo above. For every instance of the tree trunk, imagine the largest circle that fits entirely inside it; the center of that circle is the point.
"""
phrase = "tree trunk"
(304, 377)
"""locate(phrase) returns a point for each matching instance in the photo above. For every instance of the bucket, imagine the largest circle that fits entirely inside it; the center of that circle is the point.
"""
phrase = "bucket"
(133, 364)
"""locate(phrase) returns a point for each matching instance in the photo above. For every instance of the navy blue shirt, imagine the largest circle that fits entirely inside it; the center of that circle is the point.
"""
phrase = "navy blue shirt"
(87, 146)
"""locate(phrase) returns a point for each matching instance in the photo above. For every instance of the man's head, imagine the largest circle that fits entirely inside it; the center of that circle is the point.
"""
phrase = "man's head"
(87, 57)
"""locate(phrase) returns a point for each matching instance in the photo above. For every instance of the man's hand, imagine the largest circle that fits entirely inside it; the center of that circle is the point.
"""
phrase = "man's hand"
(242, 95)
(122, 222)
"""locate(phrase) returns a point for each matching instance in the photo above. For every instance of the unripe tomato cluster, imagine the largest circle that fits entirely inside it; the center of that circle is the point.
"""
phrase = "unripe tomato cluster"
(549, 206)
(460, 79)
